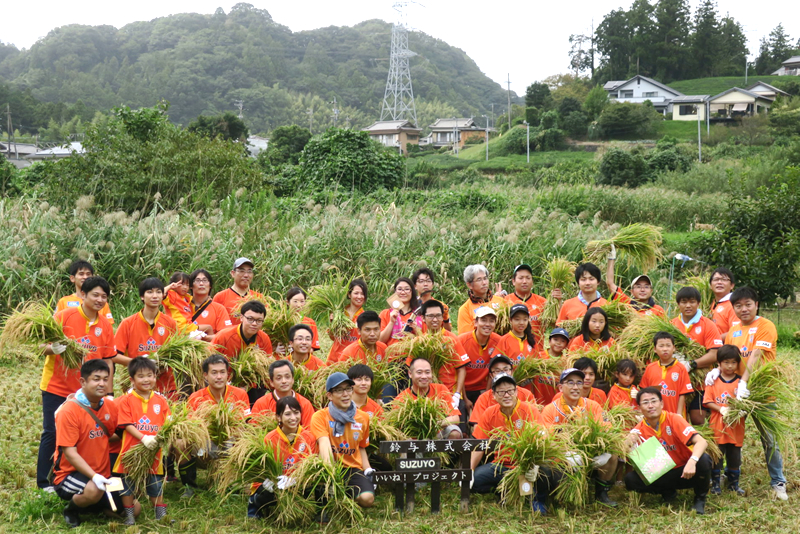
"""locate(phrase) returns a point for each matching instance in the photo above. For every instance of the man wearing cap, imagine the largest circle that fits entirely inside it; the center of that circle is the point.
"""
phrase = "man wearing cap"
(499, 366)
(546, 387)
(522, 280)
(233, 296)
(421, 375)
(641, 289)
(481, 346)
(570, 406)
(342, 434)
(507, 414)
(477, 279)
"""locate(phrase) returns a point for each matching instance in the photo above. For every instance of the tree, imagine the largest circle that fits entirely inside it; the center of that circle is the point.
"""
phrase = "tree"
(581, 54)
(568, 105)
(733, 50)
(624, 119)
(536, 95)
(705, 40)
(286, 144)
(595, 101)
(621, 168)
(773, 50)
(642, 27)
(226, 126)
(613, 43)
(671, 39)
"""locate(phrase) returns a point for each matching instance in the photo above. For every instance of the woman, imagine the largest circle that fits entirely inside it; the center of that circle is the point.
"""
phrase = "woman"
(400, 320)
(209, 316)
(594, 331)
(296, 298)
(357, 294)
(291, 444)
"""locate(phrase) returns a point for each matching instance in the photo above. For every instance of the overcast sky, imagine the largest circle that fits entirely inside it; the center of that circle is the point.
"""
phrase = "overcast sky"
(528, 40)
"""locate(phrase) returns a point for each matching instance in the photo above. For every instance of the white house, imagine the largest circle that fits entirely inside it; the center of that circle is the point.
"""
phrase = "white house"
(689, 108)
(58, 152)
(640, 88)
(765, 89)
(397, 133)
(790, 67)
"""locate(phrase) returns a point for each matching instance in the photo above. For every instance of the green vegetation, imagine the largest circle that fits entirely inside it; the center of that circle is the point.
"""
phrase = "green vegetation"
(714, 86)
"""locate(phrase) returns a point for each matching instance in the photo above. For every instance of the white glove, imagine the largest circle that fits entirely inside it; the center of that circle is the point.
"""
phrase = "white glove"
(150, 442)
(269, 485)
(613, 254)
(712, 375)
(471, 479)
(456, 400)
(723, 411)
(285, 482)
(368, 472)
(688, 366)
(280, 348)
(742, 392)
(634, 392)
(100, 481)
(574, 459)
(601, 460)
(532, 474)
(58, 348)
(197, 334)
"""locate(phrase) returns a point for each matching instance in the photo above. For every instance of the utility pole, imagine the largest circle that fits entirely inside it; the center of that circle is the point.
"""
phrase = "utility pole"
(509, 101)
(492, 114)
(335, 112)
(10, 129)
(455, 136)
(528, 140)
(487, 136)
(310, 114)
(240, 106)
(699, 143)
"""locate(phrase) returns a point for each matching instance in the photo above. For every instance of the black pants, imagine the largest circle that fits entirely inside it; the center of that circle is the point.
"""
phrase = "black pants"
(672, 480)
(731, 458)
(47, 443)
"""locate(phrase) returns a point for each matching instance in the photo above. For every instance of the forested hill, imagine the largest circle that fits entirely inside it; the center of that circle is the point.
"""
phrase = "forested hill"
(201, 64)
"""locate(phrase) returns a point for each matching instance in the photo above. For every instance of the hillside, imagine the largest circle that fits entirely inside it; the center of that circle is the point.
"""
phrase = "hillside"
(714, 86)
(201, 64)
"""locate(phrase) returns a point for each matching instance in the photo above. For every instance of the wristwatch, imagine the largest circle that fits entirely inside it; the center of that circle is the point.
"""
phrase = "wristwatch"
(693, 365)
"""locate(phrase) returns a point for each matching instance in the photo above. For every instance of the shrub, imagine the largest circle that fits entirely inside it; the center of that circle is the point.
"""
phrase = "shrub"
(514, 142)
(621, 168)
(575, 124)
(286, 144)
(549, 119)
(785, 122)
(532, 115)
(7, 175)
(669, 160)
(550, 139)
(621, 119)
(568, 105)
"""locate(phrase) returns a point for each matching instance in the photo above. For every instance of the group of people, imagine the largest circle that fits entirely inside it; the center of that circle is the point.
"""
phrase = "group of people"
(85, 430)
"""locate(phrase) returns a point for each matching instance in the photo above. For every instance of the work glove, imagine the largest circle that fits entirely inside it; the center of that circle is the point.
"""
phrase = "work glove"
(613, 254)
(574, 459)
(723, 411)
(634, 392)
(687, 365)
(269, 485)
(100, 481)
(58, 348)
(741, 391)
(456, 400)
(712, 375)
(285, 482)
(601, 460)
(532, 474)
(280, 348)
(150, 442)
(368, 472)
(197, 334)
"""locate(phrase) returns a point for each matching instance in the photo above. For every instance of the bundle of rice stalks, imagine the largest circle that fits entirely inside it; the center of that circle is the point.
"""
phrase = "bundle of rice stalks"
(251, 366)
(707, 433)
(526, 448)
(326, 303)
(32, 325)
(436, 348)
(307, 384)
(420, 418)
(313, 383)
(236, 311)
(622, 416)
(184, 356)
(225, 421)
(266, 421)
(529, 368)
(572, 326)
(279, 319)
(619, 315)
(701, 284)
(592, 438)
(503, 324)
(606, 359)
(380, 430)
(640, 243)
(560, 275)
(329, 480)
(181, 432)
(249, 460)
(770, 403)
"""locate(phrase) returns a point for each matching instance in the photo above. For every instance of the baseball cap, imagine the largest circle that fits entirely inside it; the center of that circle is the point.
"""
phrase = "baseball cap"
(500, 358)
(503, 377)
(633, 283)
(559, 332)
(241, 261)
(523, 267)
(571, 371)
(337, 379)
(483, 311)
(516, 308)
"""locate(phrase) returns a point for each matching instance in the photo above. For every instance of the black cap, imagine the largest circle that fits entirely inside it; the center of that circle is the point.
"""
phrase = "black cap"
(500, 358)
(517, 308)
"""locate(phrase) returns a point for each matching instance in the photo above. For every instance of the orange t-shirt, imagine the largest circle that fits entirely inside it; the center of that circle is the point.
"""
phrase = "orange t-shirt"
(291, 453)
(212, 314)
(535, 305)
(74, 301)
(493, 419)
(314, 333)
(574, 308)
(76, 428)
(135, 337)
(232, 395)
(720, 393)
(372, 408)
(346, 447)
(642, 308)
(673, 380)
(312, 363)
(579, 343)
(340, 344)
(619, 395)
(357, 351)
(596, 395)
(487, 400)
(230, 342)
(147, 416)
(96, 338)
(437, 391)
(723, 315)
(760, 334)
(545, 387)
(180, 309)
(398, 329)
(704, 332)
(447, 374)
(230, 299)
(674, 433)
(466, 313)
(559, 412)
(479, 358)
(268, 403)
(515, 348)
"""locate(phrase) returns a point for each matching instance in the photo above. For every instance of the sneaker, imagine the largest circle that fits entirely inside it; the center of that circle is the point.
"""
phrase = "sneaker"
(71, 517)
(188, 493)
(737, 490)
(780, 491)
(699, 506)
(49, 489)
(715, 489)
(539, 507)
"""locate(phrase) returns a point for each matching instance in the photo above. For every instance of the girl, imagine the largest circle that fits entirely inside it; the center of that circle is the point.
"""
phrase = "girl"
(178, 302)
(395, 322)
(519, 343)
(357, 294)
(624, 392)
(209, 316)
(296, 298)
(594, 331)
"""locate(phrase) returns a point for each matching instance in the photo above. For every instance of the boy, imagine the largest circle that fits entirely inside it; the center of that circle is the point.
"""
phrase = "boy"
(301, 343)
(84, 426)
(89, 327)
(587, 275)
(722, 283)
(623, 392)
(145, 331)
(362, 377)
(281, 380)
(79, 271)
(424, 281)
(522, 280)
(729, 438)
(546, 387)
(668, 375)
(142, 413)
(367, 348)
(481, 346)
(588, 368)
(242, 274)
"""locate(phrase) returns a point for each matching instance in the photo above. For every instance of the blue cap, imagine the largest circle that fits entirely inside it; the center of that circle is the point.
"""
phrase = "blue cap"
(336, 379)
(571, 371)
(559, 332)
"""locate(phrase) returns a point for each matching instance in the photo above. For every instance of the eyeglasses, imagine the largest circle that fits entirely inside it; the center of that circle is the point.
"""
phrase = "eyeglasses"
(339, 391)
(308, 339)
(424, 280)
(245, 271)
(201, 280)
(434, 316)
(504, 392)
(403, 289)
(500, 371)
(573, 384)
(253, 320)
(652, 402)
(720, 279)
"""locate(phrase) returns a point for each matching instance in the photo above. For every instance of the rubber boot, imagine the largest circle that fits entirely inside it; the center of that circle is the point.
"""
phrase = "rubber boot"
(161, 511)
(601, 492)
(715, 487)
(128, 518)
(539, 504)
(733, 481)
(188, 474)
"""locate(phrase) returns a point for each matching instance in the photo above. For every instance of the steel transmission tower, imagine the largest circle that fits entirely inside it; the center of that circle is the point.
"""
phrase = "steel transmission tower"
(398, 99)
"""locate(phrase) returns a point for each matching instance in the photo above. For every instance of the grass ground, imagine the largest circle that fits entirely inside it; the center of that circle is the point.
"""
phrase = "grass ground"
(29, 510)
(714, 86)
(682, 130)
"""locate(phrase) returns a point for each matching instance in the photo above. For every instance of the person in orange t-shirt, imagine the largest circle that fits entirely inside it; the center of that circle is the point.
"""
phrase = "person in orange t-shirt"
(342, 434)
(588, 367)
(641, 289)
(145, 331)
(722, 283)
(291, 443)
(401, 321)
(477, 279)
(729, 438)
(87, 326)
(296, 298)
(676, 435)
(281, 379)
(85, 423)
(79, 271)
(211, 317)
(357, 295)
(545, 388)
(424, 281)
(178, 302)
(362, 376)
(588, 277)
(301, 339)
(522, 280)
(669, 375)
(624, 392)
(367, 348)
(500, 365)
(507, 415)
(239, 292)
(481, 346)
(421, 376)
(519, 343)
(594, 332)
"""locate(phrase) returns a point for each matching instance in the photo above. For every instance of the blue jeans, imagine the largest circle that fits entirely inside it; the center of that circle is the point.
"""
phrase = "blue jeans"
(773, 456)
(486, 477)
(47, 443)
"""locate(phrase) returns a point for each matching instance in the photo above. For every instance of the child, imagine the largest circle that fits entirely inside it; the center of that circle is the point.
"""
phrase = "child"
(624, 392)
(729, 438)
(589, 369)
(178, 302)
(594, 331)
(520, 342)
(546, 387)
(668, 374)
(142, 412)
